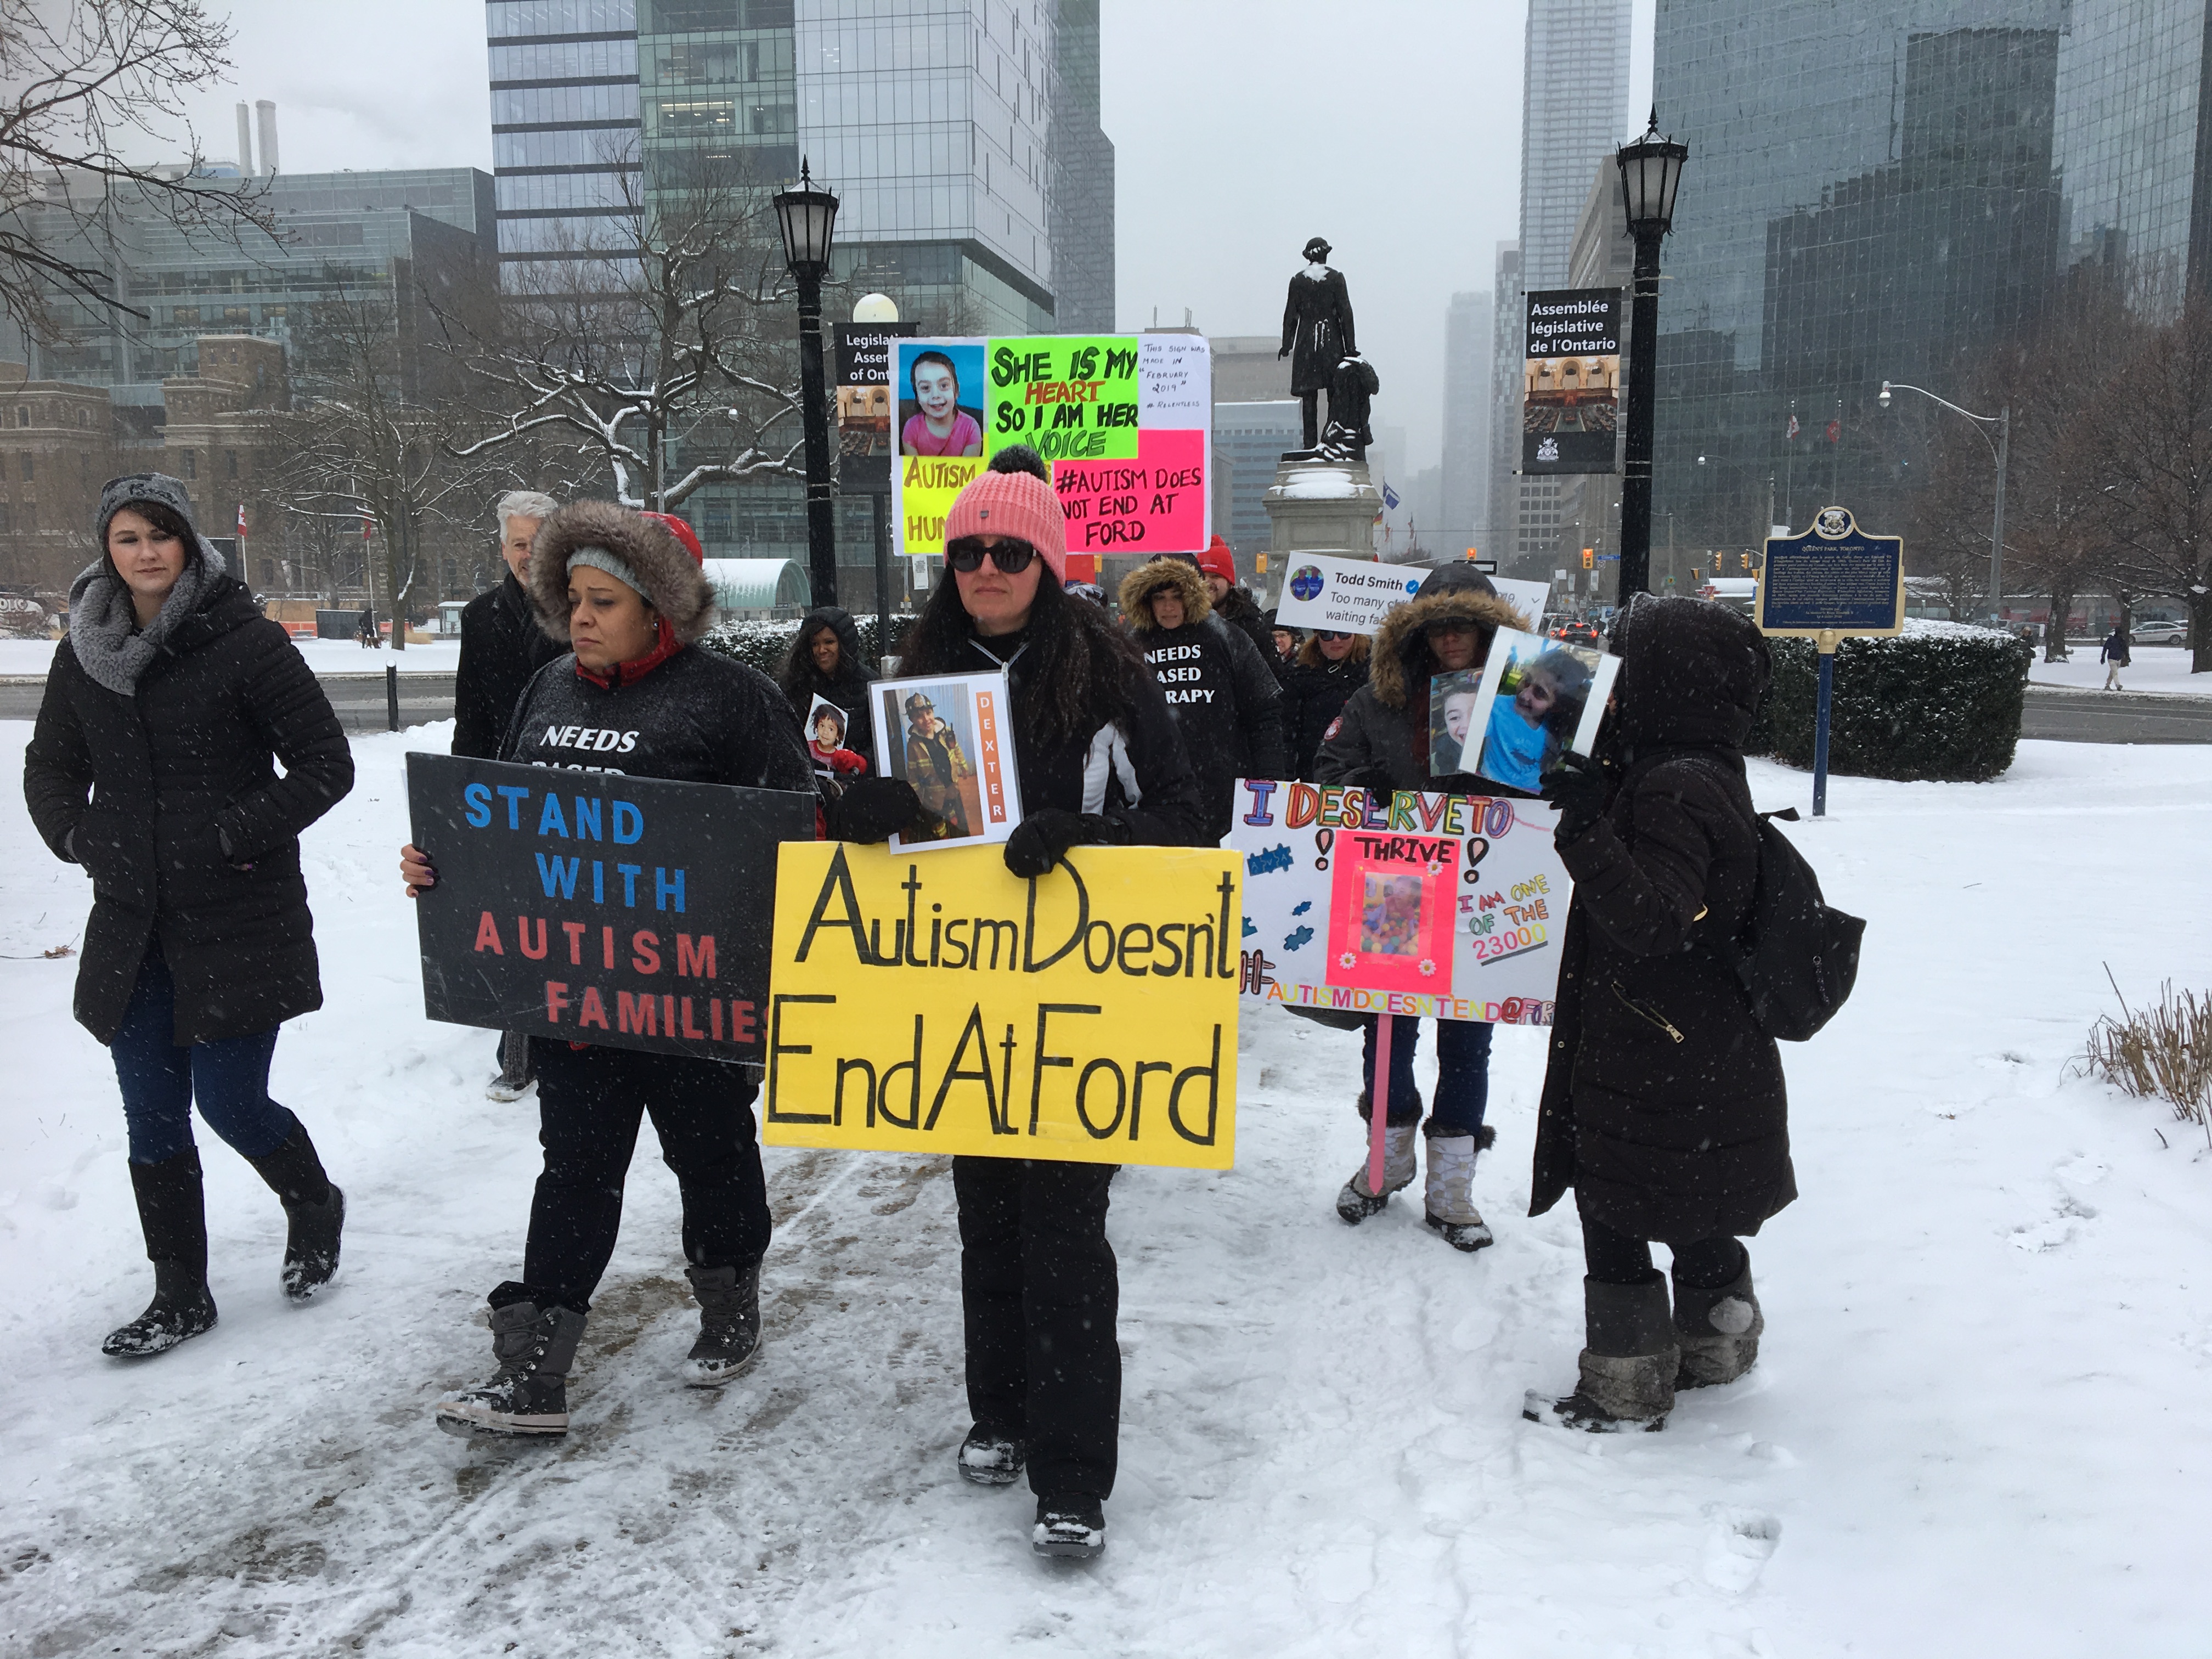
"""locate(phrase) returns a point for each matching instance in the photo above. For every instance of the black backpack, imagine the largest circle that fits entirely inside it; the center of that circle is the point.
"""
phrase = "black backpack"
(1796, 957)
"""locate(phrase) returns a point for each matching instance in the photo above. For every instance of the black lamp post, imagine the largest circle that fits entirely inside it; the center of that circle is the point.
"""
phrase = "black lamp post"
(1650, 172)
(809, 217)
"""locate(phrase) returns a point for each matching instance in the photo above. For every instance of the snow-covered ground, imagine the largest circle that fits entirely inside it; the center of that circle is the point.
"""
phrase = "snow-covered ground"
(324, 656)
(2157, 668)
(1978, 1427)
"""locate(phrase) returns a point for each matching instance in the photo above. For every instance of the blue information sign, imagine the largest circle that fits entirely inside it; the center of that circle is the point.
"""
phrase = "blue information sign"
(1833, 579)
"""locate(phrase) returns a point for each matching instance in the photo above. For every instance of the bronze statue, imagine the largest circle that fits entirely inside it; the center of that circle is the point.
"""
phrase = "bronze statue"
(1317, 326)
(1349, 390)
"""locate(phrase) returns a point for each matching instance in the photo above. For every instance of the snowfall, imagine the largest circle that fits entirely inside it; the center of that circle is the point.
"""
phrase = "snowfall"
(1979, 1423)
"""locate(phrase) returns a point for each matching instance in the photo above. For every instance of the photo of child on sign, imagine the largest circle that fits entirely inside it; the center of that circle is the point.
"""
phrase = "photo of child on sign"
(943, 737)
(932, 419)
(1540, 699)
(1452, 700)
(1390, 920)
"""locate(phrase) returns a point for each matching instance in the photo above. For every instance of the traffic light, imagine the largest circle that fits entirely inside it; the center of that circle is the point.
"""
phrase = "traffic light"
(1589, 558)
(1718, 566)
(1747, 564)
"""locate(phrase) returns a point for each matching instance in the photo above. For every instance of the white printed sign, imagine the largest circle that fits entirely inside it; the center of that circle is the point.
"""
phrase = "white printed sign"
(1352, 596)
(1174, 381)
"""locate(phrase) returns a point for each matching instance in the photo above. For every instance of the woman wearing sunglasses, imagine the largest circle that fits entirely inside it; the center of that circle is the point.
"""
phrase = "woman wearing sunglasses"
(1381, 742)
(1100, 764)
(1318, 680)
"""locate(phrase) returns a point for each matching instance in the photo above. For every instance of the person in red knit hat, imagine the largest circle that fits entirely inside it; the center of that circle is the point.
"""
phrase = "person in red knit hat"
(1234, 602)
(1102, 762)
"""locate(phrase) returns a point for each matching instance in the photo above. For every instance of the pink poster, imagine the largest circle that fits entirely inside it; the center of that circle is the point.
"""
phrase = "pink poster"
(1154, 504)
(1390, 917)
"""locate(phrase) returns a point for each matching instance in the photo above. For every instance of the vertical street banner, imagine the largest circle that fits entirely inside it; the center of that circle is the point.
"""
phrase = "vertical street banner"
(599, 908)
(1571, 405)
(1121, 420)
(864, 405)
(941, 1005)
(1446, 907)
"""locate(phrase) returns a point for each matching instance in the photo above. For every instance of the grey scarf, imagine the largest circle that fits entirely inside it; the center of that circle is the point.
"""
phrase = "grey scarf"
(104, 629)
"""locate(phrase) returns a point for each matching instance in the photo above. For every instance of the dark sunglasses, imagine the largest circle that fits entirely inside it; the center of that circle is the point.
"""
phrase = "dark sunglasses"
(1324, 633)
(1011, 556)
(1446, 625)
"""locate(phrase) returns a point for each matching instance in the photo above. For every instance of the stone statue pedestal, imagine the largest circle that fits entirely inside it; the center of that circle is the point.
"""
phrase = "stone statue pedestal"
(1317, 506)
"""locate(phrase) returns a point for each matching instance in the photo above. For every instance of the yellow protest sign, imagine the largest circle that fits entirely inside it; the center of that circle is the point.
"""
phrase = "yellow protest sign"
(940, 1005)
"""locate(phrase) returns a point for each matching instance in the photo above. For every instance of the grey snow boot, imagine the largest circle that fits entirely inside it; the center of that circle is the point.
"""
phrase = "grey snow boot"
(172, 1214)
(1357, 1202)
(314, 1213)
(528, 1396)
(1449, 1201)
(729, 1324)
(1628, 1368)
(1718, 1330)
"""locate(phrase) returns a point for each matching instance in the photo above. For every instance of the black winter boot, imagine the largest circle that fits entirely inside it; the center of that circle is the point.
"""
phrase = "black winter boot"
(528, 1396)
(172, 1214)
(1073, 1526)
(729, 1324)
(1718, 1330)
(1627, 1369)
(314, 1212)
(991, 1457)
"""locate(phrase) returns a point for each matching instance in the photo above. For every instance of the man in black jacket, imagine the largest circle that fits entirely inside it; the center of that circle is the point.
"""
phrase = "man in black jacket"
(501, 646)
(1222, 694)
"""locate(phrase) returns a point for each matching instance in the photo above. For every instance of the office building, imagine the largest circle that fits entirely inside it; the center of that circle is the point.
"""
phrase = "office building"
(1941, 172)
(564, 135)
(1505, 392)
(1462, 516)
(1248, 441)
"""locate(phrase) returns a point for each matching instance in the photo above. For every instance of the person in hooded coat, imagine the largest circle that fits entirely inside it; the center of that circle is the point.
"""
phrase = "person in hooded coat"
(1233, 602)
(1663, 1106)
(1218, 685)
(154, 766)
(625, 591)
(826, 661)
(1380, 742)
(1318, 680)
(1102, 762)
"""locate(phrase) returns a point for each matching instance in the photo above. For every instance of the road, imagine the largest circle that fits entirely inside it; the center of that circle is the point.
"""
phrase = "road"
(2069, 716)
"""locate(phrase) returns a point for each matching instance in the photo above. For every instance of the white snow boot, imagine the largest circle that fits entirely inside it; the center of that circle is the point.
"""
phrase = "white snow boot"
(1718, 1330)
(1628, 1368)
(528, 1396)
(729, 1324)
(1358, 1201)
(1449, 1200)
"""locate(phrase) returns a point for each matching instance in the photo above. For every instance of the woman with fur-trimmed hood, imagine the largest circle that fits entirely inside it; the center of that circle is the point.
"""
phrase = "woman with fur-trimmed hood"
(1220, 690)
(625, 591)
(1380, 743)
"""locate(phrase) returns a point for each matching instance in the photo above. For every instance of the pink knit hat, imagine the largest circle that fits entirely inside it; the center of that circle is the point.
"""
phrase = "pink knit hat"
(1012, 504)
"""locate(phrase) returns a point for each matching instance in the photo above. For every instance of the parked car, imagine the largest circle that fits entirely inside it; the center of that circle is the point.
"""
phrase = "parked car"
(2161, 633)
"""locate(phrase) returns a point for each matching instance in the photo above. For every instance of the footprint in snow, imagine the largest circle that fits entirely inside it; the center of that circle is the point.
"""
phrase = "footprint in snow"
(1737, 1545)
(2061, 1230)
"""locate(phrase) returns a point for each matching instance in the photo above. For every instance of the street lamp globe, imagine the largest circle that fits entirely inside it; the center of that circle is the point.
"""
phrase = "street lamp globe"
(809, 217)
(1884, 399)
(875, 308)
(1650, 172)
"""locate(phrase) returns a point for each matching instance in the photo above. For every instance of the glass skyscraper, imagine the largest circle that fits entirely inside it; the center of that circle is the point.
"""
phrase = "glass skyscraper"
(564, 128)
(1886, 191)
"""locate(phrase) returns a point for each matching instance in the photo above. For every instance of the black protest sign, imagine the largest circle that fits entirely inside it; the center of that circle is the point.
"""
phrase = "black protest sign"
(630, 912)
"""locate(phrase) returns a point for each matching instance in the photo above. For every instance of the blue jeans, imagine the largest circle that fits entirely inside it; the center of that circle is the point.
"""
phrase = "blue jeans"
(160, 1081)
(1462, 1073)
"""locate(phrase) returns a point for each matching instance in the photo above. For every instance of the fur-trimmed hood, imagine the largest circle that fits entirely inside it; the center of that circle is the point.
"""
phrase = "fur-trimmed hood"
(1401, 657)
(1178, 574)
(674, 584)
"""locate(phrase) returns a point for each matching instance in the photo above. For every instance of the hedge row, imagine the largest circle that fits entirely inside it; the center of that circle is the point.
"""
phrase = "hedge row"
(766, 644)
(1942, 701)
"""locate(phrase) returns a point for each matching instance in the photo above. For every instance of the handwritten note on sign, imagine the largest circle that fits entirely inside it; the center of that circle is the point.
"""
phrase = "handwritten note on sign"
(940, 1005)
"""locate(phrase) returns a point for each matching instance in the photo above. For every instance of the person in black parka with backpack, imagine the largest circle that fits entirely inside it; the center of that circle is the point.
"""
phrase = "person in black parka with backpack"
(1663, 1106)
(154, 766)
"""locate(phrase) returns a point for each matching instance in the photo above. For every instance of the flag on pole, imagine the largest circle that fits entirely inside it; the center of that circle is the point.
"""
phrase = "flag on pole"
(241, 521)
(1793, 427)
(1389, 498)
(1835, 432)
(366, 524)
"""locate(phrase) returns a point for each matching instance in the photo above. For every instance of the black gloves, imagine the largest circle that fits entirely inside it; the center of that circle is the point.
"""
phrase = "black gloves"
(1577, 787)
(1039, 839)
(873, 810)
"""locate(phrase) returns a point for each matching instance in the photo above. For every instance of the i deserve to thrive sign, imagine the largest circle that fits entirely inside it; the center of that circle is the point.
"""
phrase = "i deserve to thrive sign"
(940, 1005)
(629, 912)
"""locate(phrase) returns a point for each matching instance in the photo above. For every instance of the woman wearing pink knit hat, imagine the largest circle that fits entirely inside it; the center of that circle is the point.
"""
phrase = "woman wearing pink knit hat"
(1101, 764)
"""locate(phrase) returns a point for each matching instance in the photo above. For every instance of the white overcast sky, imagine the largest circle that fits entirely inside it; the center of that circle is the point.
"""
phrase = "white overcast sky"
(1240, 128)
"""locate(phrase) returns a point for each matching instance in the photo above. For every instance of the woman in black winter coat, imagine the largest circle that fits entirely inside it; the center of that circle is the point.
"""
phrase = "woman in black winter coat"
(826, 661)
(1663, 1106)
(154, 766)
(629, 599)
(1317, 682)
(1101, 764)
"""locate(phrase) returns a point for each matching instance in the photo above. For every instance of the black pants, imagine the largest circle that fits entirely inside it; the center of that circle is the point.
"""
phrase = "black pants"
(589, 1102)
(1614, 1257)
(1039, 1292)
